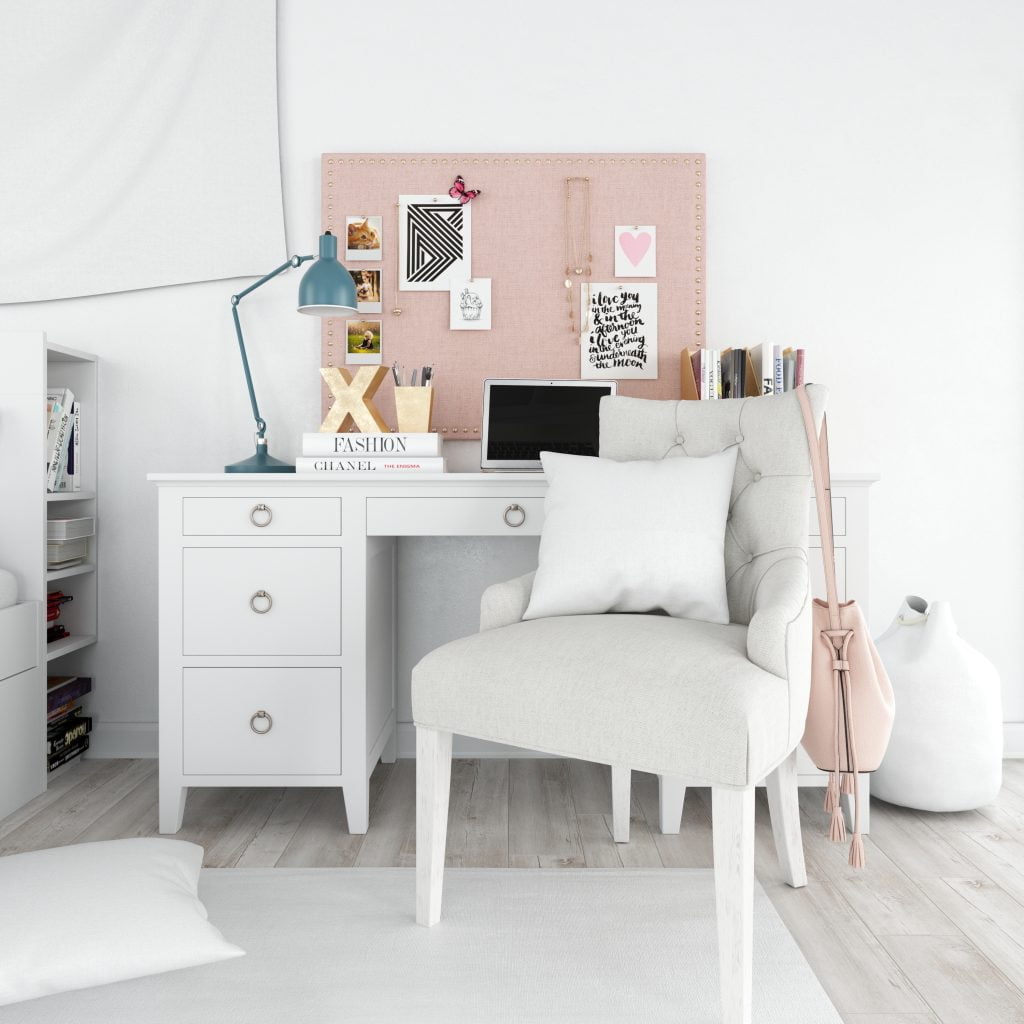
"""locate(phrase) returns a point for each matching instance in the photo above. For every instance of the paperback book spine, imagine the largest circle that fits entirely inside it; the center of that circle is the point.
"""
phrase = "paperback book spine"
(777, 369)
(369, 466)
(706, 373)
(60, 452)
(716, 374)
(68, 754)
(68, 736)
(765, 368)
(61, 695)
(364, 445)
(801, 362)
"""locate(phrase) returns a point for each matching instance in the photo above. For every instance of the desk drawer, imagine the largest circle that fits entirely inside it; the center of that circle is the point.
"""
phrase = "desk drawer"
(301, 718)
(300, 614)
(257, 516)
(454, 517)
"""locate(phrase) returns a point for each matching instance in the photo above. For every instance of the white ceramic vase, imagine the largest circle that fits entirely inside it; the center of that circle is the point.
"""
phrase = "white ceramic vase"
(947, 740)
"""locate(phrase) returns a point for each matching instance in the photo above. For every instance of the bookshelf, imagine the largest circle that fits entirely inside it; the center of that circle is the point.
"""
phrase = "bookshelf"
(29, 366)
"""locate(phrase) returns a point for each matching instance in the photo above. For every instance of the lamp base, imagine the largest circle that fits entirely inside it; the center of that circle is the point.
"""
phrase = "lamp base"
(261, 462)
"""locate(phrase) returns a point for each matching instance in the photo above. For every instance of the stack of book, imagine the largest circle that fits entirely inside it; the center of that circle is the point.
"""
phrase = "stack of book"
(370, 454)
(63, 441)
(67, 729)
(55, 630)
(740, 372)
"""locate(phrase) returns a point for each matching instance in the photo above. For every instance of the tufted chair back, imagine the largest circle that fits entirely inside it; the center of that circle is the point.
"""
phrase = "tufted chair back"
(768, 511)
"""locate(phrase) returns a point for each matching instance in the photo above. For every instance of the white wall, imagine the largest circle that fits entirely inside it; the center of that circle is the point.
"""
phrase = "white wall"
(866, 166)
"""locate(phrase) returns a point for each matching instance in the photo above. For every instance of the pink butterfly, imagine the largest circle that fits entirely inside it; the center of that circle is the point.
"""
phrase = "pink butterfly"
(460, 192)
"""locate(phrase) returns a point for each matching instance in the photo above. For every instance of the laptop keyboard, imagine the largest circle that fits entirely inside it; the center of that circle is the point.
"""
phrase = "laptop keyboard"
(517, 452)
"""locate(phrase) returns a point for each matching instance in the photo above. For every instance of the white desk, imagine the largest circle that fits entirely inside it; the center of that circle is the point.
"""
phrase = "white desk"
(317, 655)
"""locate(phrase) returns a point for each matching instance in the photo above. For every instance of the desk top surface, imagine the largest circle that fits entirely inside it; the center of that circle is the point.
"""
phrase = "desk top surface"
(478, 479)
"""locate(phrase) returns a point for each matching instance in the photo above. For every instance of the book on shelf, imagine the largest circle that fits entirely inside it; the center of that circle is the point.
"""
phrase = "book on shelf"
(65, 735)
(69, 478)
(60, 403)
(721, 373)
(370, 466)
(371, 445)
(69, 753)
(63, 690)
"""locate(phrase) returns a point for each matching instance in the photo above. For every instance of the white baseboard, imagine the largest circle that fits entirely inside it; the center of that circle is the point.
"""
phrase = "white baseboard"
(139, 739)
(123, 739)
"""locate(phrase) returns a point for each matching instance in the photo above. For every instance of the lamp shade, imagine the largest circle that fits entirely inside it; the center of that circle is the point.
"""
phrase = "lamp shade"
(327, 287)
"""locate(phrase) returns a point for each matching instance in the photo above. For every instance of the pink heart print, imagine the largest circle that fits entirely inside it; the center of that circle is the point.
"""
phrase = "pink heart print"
(635, 246)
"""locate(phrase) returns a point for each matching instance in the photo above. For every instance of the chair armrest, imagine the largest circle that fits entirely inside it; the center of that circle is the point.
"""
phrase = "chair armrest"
(505, 603)
(780, 604)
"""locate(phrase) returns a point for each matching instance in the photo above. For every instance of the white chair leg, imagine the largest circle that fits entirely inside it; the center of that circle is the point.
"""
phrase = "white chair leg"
(671, 797)
(433, 782)
(783, 802)
(732, 819)
(621, 792)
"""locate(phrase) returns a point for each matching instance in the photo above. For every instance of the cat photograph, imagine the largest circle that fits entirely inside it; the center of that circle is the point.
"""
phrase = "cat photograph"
(363, 237)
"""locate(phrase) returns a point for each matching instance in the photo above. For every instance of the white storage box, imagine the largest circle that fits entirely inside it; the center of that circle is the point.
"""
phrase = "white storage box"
(70, 529)
(61, 553)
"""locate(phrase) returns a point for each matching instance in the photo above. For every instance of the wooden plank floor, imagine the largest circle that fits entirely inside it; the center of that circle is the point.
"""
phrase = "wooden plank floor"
(932, 932)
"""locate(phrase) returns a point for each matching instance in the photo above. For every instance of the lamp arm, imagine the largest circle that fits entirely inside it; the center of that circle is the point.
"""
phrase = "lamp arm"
(295, 261)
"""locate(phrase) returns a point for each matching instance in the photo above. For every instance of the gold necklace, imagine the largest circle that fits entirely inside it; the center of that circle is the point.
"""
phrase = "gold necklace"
(578, 257)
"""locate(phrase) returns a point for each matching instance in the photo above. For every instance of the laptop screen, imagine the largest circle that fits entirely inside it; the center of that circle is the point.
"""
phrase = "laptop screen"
(525, 419)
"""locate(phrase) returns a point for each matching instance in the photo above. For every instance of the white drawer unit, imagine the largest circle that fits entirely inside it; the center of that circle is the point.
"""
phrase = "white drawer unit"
(261, 516)
(261, 721)
(454, 516)
(261, 601)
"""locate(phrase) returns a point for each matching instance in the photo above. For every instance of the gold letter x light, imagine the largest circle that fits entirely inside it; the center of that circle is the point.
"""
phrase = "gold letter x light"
(352, 399)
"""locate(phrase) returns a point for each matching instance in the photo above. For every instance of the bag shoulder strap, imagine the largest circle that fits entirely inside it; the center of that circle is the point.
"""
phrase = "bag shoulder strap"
(817, 446)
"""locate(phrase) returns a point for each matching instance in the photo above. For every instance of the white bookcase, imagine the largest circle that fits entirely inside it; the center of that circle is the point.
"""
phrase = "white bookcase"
(29, 365)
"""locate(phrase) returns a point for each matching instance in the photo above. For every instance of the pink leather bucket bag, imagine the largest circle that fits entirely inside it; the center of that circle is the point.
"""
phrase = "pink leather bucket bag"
(850, 715)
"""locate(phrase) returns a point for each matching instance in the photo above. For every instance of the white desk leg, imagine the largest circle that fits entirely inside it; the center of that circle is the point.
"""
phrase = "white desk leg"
(390, 752)
(172, 804)
(865, 805)
(621, 783)
(671, 797)
(357, 808)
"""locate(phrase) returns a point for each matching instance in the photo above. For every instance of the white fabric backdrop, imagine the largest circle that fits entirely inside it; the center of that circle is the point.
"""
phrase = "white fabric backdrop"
(140, 144)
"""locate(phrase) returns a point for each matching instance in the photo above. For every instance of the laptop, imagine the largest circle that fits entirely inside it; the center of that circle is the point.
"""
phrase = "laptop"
(523, 418)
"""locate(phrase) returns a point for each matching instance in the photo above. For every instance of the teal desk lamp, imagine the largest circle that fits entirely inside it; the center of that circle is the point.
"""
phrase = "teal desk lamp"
(326, 289)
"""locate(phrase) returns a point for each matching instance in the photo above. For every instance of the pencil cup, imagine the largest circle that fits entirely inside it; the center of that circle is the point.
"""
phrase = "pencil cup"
(414, 407)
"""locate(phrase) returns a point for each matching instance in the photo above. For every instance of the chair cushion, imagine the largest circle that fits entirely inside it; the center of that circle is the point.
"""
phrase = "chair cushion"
(659, 694)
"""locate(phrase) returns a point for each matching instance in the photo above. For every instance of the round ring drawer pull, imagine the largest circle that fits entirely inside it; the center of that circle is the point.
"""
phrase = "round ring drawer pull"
(260, 515)
(514, 515)
(266, 723)
(262, 596)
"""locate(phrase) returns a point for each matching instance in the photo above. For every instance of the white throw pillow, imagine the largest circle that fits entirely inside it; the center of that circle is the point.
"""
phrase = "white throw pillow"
(634, 537)
(86, 915)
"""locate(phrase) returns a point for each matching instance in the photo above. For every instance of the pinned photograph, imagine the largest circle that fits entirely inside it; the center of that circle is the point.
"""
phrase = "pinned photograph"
(636, 250)
(470, 305)
(363, 337)
(367, 284)
(364, 237)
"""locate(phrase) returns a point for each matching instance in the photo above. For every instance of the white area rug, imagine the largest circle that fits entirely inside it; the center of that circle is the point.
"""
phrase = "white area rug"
(523, 946)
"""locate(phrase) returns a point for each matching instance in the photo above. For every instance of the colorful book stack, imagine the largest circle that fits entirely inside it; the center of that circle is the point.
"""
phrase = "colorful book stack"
(63, 441)
(370, 454)
(67, 729)
(740, 372)
(55, 630)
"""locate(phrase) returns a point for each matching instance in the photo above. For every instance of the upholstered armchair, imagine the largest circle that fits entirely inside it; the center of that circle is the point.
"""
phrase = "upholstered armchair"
(710, 704)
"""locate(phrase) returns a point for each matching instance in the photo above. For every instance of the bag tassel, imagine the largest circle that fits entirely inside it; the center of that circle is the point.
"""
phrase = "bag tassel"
(831, 792)
(847, 786)
(837, 828)
(856, 851)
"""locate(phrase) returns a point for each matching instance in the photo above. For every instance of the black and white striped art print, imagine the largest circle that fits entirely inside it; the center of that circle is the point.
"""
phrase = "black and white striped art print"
(434, 239)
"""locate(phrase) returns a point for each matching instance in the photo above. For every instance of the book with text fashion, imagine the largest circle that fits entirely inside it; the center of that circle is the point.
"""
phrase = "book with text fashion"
(60, 407)
(371, 445)
(370, 466)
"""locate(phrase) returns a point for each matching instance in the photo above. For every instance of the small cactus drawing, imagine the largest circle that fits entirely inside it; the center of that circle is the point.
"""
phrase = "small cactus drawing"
(471, 305)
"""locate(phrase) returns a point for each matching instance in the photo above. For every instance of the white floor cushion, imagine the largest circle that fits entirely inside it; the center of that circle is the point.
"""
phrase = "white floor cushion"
(86, 915)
